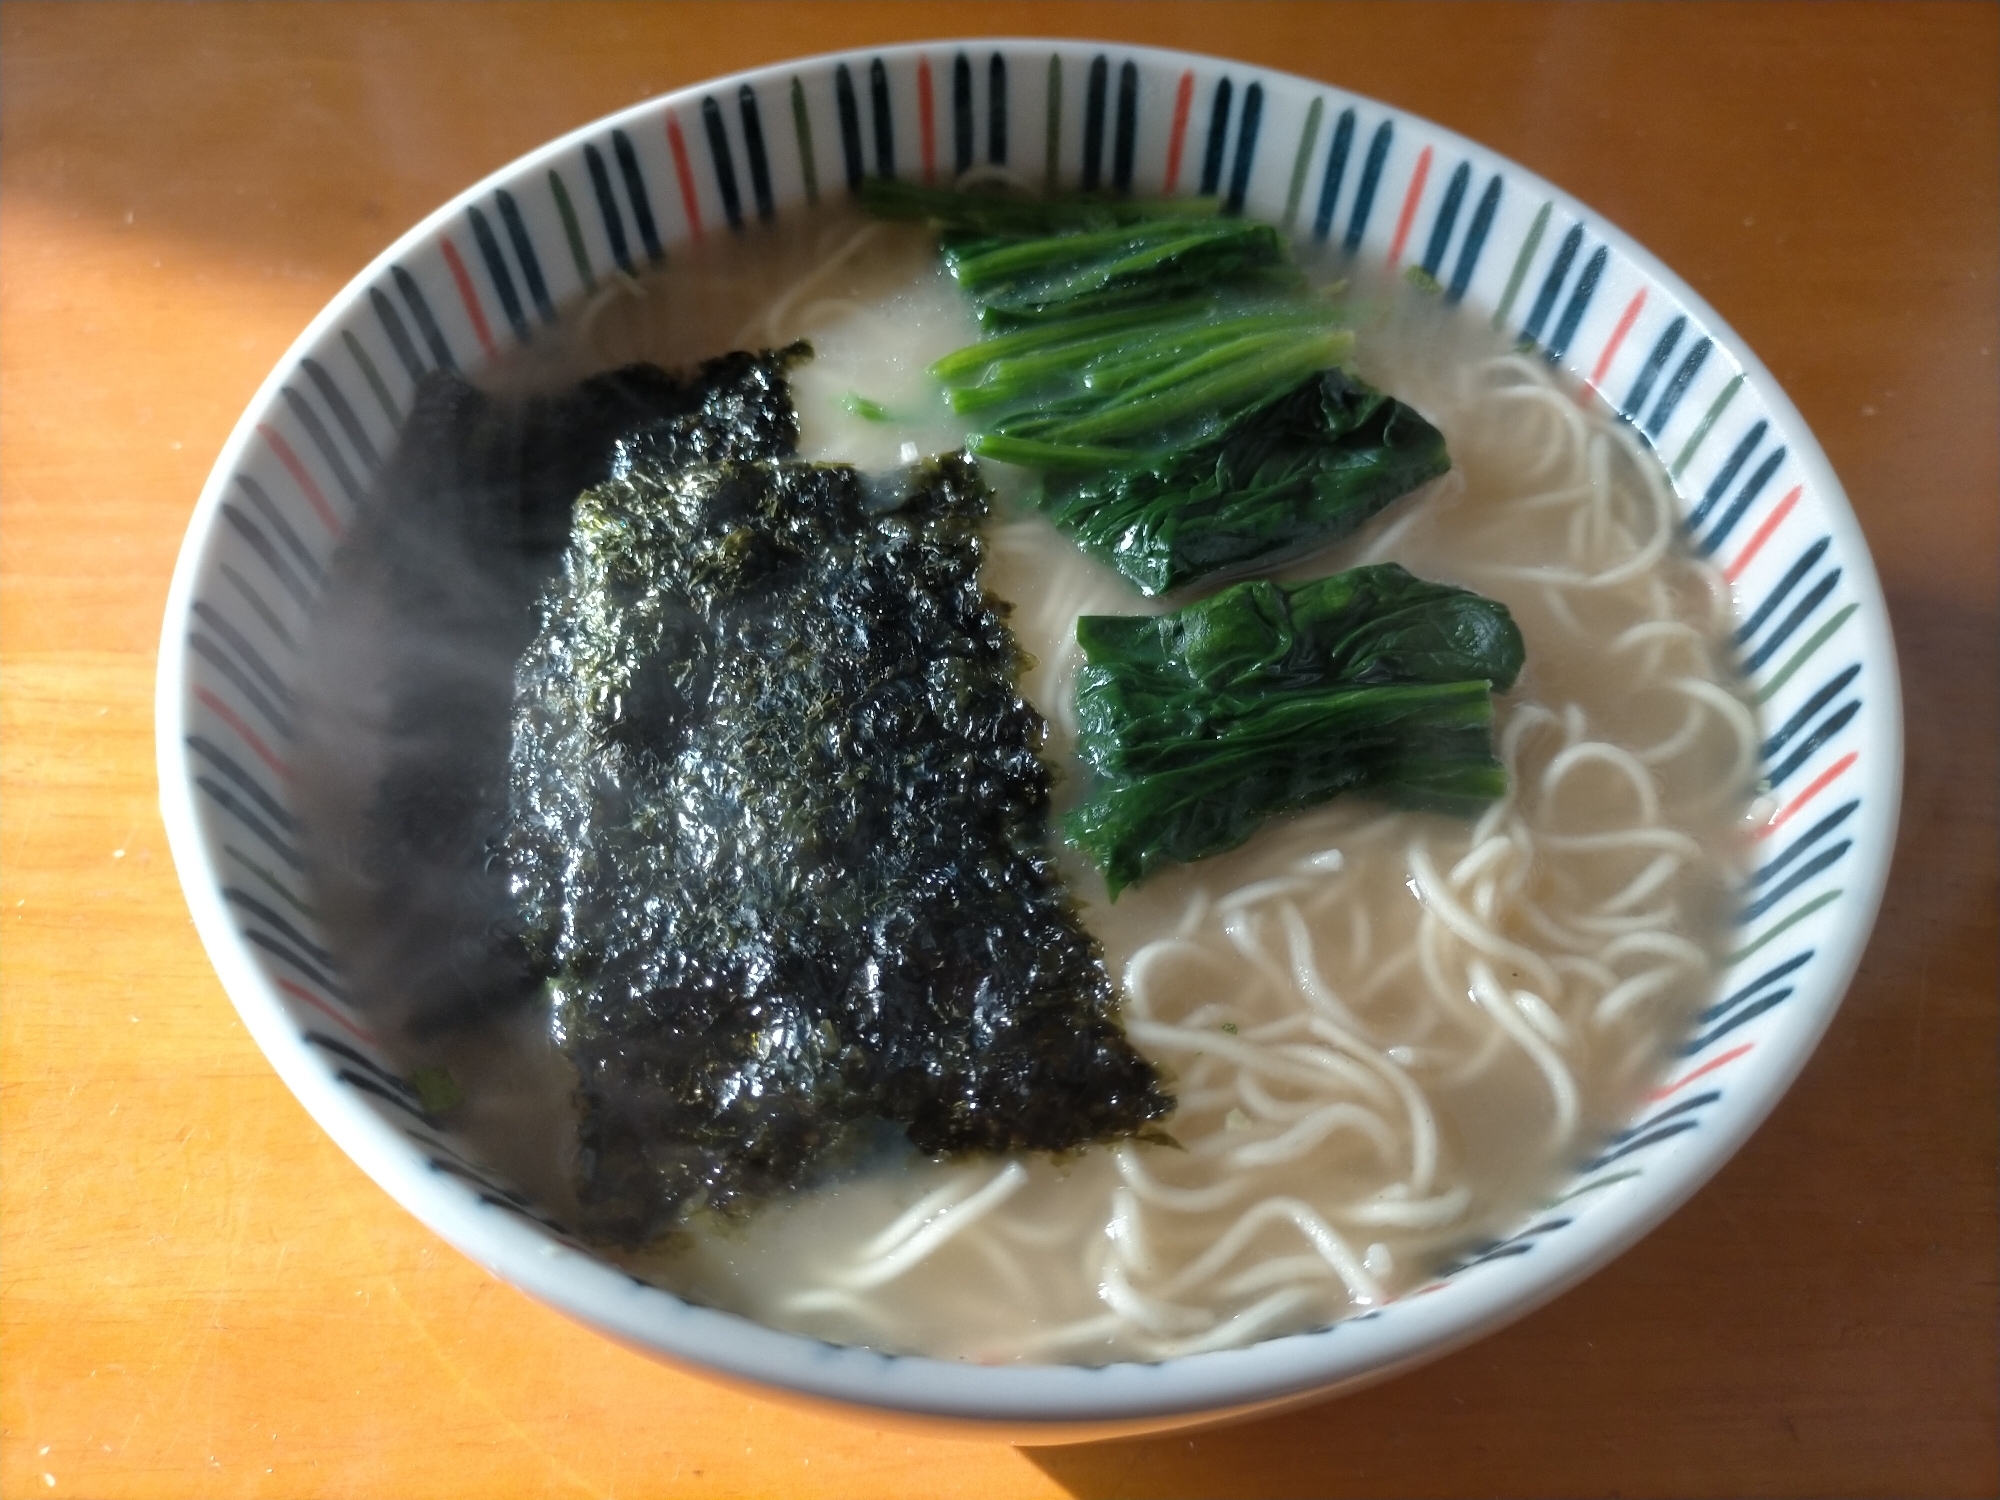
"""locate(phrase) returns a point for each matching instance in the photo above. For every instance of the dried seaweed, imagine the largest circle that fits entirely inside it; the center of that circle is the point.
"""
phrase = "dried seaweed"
(779, 841)
(464, 522)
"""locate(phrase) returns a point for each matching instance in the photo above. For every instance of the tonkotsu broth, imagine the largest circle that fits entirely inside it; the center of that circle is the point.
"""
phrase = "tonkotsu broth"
(1391, 1034)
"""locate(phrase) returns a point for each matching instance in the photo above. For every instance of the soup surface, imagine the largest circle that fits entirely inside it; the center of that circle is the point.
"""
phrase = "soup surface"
(1391, 1034)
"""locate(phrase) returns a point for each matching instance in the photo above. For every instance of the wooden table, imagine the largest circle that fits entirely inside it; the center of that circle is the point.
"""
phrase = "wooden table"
(202, 1297)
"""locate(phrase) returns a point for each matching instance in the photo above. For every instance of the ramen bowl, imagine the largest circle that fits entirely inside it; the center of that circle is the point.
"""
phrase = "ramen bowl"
(746, 155)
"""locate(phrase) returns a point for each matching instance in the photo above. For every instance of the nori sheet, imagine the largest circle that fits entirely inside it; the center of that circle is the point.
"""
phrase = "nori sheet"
(464, 523)
(778, 837)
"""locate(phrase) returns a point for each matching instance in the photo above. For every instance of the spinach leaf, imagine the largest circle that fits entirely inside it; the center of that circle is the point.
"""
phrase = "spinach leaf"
(1172, 378)
(1295, 475)
(1200, 725)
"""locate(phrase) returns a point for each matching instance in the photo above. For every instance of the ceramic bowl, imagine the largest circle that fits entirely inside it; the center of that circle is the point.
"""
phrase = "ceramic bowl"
(762, 148)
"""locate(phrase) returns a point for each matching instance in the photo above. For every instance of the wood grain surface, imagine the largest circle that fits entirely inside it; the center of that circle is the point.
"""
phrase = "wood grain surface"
(203, 1298)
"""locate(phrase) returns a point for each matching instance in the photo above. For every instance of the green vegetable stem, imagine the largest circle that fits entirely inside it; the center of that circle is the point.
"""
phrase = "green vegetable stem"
(864, 408)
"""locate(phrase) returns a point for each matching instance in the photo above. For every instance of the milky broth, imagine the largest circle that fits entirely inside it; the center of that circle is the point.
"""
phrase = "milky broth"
(1392, 1034)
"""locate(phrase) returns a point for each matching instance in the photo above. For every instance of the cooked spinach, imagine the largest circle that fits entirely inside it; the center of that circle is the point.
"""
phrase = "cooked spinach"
(778, 841)
(1077, 273)
(1170, 375)
(1199, 725)
(1303, 471)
